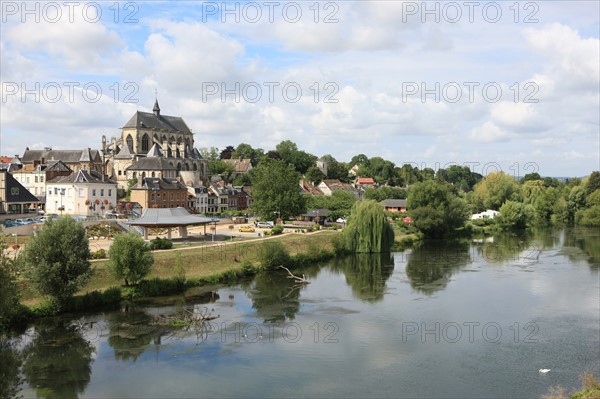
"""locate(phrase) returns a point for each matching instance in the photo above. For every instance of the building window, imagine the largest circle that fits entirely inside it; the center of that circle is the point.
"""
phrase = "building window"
(14, 190)
(81, 193)
(36, 179)
(50, 192)
(145, 143)
(93, 192)
(102, 192)
(110, 192)
(120, 173)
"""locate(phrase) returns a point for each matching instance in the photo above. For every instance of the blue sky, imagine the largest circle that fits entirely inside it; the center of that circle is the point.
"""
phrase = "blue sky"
(540, 70)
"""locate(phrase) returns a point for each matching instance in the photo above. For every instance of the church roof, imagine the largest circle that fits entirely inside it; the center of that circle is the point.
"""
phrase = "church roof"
(124, 153)
(155, 151)
(152, 163)
(153, 121)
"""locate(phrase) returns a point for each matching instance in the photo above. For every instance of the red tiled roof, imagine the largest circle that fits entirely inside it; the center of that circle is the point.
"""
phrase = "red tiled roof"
(6, 159)
(365, 180)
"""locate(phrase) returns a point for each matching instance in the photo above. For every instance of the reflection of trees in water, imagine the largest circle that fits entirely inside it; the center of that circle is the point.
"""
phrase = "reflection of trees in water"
(10, 369)
(366, 274)
(57, 361)
(275, 296)
(586, 239)
(431, 264)
(508, 247)
(130, 332)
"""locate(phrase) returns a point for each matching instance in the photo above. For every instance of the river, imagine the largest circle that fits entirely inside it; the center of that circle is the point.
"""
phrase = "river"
(470, 318)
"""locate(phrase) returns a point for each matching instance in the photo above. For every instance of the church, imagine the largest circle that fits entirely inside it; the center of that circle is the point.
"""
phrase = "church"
(153, 145)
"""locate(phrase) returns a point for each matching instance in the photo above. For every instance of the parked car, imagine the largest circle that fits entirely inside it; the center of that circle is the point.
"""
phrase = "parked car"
(264, 225)
(247, 229)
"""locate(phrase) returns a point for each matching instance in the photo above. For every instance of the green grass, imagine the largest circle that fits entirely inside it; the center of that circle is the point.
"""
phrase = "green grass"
(200, 262)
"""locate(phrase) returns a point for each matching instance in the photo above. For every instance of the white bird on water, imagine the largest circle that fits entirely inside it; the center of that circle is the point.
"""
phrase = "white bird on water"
(544, 371)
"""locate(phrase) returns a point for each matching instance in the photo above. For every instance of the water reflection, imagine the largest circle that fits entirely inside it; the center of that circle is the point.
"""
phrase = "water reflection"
(510, 248)
(131, 331)
(57, 361)
(366, 274)
(275, 297)
(10, 369)
(430, 266)
(586, 239)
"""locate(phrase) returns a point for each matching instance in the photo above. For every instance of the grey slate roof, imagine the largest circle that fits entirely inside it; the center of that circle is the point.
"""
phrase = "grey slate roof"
(317, 212)
(83, 176)
(155, 151)
(156, 183)
(57, 166)
(169, 217)
(394, 203)
(124, 153)
(152, 163)
(67, 156)
(152, 121)
(16, 196)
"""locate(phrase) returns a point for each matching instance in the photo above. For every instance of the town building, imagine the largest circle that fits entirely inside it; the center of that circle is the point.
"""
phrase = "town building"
(14, 198)
(160, 192)
(394, 205)
(84, 193)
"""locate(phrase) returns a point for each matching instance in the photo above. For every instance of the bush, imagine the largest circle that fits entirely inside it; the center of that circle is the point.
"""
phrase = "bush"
(160, 243)
(99, 254)
(277, 230)
(273, 254)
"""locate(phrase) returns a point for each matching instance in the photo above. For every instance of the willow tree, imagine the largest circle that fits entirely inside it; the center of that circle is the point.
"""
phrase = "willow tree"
(368, 230)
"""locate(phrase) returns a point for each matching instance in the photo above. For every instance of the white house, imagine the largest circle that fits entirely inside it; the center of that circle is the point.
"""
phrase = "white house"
(80, 193)
(199, 196)
(489, 214)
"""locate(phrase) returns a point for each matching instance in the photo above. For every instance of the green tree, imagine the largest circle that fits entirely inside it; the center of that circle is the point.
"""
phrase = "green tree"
(275, 189)
(494, 190)
(57, 258)
(335, 169)
(245, 151)
(593, 182)
(368, 230)
(531, 176)
(514, 215)
(219, 167)
(130, 258)
(210, 154)
(226, 153)
(9, 294)
(436, 211)
(314, 175)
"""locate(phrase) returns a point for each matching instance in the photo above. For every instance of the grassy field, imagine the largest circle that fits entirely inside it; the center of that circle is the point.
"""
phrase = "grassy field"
(198, 261)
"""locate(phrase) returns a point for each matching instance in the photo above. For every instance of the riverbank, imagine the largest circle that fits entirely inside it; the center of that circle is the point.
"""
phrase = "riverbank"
(200, 263)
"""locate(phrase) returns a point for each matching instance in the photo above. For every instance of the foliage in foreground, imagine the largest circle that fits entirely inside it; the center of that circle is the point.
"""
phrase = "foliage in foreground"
(590, 389)
(57, 258)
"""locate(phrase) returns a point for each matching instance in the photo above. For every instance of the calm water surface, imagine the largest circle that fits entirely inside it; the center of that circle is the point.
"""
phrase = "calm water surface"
(454, 319)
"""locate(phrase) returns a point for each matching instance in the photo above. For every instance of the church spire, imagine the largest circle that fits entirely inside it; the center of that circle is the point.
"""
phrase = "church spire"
(156, 108)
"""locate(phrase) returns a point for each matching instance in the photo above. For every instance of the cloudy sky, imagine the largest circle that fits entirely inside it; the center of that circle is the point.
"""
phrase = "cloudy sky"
(495, 85)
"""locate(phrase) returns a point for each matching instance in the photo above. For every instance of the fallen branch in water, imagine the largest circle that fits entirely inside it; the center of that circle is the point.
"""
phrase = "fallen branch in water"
(299, 280)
